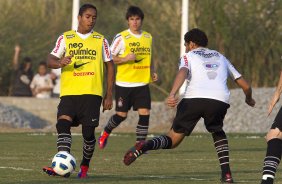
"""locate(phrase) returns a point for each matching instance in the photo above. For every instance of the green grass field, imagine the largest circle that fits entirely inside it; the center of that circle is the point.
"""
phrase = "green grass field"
(22, 156)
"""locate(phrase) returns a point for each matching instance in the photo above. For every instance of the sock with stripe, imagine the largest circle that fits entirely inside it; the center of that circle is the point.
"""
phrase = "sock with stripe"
(88, 144)
(222, 149)
(272, 159)
(142, 127)
(113, 122)
(64, 135)
(160, 142)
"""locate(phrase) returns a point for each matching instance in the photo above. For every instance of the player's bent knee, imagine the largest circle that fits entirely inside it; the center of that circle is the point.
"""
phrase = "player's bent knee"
(63, 125)
(122, 115)
(88, 133)
(176, 138)
(219, 135)
(274, 134)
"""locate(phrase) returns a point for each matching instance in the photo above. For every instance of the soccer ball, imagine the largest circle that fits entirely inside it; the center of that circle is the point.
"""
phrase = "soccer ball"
(63, 163)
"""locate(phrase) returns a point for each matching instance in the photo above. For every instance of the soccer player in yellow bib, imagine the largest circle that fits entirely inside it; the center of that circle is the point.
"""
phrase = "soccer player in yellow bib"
(132, 53)
(81, 55)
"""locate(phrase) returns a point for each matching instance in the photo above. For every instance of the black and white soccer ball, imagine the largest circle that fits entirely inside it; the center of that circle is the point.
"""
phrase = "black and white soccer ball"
(63, 163)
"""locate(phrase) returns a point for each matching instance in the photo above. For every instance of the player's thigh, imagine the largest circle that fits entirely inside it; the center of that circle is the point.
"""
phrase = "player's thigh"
(276, 128)
(143, 111)
(141, 98)
(88, 110)
(274, 134)
(187, 116)
(122, 114)
(122, 96)
(66, 108)
(214, 114)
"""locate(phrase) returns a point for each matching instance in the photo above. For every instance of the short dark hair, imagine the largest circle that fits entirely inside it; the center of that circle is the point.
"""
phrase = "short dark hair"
(84, 7)
(24, 63)
(43, 63)
(134, 11)
(27, 60)
(197, 36)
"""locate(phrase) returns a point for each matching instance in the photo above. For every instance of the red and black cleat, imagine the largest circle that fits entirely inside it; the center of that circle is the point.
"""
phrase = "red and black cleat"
(133, 153)
(50, 171)
(227, 179)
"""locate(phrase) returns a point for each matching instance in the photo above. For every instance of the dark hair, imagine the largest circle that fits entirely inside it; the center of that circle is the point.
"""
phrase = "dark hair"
(27, 60)
(134, 11)
(84, 7)
(197, 36)
(43, 63)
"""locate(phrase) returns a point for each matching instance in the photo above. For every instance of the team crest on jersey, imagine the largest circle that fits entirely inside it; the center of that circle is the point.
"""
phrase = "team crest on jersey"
(120, 102)
(127, 36)
(70, 36)
(147, 35)
(97, 36)
(211, 65)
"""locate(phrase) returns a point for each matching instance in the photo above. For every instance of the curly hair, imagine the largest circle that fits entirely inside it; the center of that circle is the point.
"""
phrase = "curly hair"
(197, 36)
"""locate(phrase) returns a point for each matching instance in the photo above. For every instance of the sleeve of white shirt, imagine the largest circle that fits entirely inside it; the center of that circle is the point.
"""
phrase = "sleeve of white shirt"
(33, 82)
(49, 83)
(184, 62)
(57, 71)
(117, 46)
(233, 73)
(60, 47)
(107, 56)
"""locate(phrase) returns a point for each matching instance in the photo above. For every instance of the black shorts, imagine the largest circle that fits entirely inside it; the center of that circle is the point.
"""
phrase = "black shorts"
(83, 109)
(278, 121)
(189, 112)
(136, 97)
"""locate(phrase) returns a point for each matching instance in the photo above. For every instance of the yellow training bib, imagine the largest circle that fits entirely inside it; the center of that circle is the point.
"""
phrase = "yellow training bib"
(140, 69)
(84, 75)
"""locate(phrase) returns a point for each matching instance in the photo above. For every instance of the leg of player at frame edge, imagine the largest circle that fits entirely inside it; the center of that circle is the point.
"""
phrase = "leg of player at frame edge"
(273, 155)
(172, 139)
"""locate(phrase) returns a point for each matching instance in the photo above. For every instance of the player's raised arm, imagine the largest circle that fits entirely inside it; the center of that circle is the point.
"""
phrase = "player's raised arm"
(54, 62)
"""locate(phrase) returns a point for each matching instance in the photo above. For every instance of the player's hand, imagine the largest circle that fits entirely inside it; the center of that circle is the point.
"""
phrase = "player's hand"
(65, 61)
(155, 77)
(250, 101)
(272, 103)
(171, 101)
(107, 102)
(53, 76)
(17, 48)
(130, 57)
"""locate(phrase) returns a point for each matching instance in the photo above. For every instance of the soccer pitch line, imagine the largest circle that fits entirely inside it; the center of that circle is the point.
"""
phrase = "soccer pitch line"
(16, 168)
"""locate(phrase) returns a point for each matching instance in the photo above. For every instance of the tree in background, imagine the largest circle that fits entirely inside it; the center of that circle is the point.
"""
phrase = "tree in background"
(246, 31)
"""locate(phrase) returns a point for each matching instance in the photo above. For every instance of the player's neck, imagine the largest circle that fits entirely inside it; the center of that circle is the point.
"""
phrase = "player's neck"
(136, 32)
(83, 31)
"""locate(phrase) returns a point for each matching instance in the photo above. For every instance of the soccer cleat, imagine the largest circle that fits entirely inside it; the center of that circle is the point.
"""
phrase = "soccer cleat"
(50, 171)
(83, 172)
(227, 179)
(133, 153)
(102, 141)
